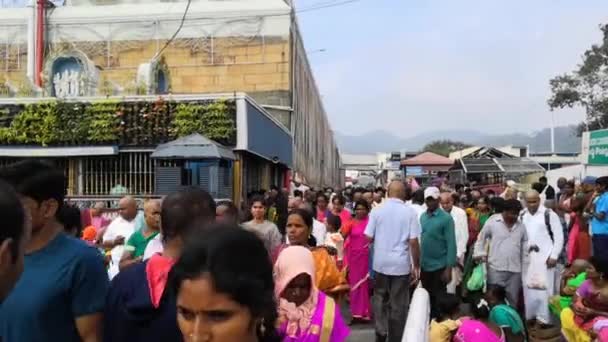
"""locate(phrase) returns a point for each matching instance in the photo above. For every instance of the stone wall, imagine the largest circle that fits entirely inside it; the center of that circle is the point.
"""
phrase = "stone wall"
(260, 68)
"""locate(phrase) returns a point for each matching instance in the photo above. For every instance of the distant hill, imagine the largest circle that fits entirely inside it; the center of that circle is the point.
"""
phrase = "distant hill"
(382, 141)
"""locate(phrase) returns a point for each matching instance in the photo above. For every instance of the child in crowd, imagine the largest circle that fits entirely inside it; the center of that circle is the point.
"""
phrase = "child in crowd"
(501, 313)
(334, 238)
(444, 327)
(572, 278)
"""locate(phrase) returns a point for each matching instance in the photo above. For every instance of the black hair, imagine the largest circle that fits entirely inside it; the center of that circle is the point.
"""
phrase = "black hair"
(69, 216)
(324, 196)
(448, 305)
(543, 179)
(418, 197)
(13, 218)
(237, 264)
(600, 265)
(334, 221)
(363, 203)
(458, 187)
(340, 199)
(185, 210)
(255, 199)
(498, 204)
(538, 187)
(275, 188)
(305, 215)
(355, 190)
(37, 180)
(490, 192)
(231, 209)
(498, 292)
(455, 198)
(408, 193)
(481, 309)
(602, 181)
(512, 205)
(297, 193)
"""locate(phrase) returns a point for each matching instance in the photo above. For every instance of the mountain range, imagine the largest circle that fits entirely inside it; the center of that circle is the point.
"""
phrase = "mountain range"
(566, 140)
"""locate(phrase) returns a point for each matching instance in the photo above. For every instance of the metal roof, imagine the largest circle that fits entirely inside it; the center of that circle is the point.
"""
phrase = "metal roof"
(500, 165)
(519, 165)
(193, 146)
(480, 165)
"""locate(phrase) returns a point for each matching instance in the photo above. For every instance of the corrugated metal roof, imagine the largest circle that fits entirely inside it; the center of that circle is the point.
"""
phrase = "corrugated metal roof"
(480, 165)
(519, 165)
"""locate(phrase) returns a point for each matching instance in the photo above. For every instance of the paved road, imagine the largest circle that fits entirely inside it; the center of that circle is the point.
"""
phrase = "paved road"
(362, 334)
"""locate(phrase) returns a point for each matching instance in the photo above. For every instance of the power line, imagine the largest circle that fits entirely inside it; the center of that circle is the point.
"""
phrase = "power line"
(326, 5)
(181, 24)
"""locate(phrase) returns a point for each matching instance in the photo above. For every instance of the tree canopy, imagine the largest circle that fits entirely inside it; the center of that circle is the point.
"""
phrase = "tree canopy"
(444, 147)
(587, 86)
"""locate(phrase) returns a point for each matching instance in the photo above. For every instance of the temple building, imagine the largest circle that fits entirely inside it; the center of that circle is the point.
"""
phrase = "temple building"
(142, 66)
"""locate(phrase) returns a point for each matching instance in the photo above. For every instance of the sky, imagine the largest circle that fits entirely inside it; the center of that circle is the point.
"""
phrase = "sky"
(413, 66)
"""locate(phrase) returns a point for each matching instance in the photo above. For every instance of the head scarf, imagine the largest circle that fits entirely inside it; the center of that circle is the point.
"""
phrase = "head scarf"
(292, 262)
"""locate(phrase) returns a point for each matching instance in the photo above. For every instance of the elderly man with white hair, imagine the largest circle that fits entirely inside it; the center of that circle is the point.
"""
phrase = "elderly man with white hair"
(546, 238)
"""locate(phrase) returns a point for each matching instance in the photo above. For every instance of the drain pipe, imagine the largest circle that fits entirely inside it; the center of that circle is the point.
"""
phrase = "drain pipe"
(31, 41)
(39, 40)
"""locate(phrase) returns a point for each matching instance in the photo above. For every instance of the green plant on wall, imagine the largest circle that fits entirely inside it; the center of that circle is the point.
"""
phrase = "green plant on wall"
(212, 121)
(36, 124)
(217, 124)
(105, 121)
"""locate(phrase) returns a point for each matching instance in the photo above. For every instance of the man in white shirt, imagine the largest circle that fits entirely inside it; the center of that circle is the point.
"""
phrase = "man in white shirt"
(546, 237)
(461, 230)
(119, 231)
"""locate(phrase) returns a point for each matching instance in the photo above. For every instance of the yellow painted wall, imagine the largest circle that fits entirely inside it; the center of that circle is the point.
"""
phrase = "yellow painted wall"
(253, 66)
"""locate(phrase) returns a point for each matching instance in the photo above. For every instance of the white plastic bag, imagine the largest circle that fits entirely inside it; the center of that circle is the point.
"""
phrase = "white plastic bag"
(417, 325)
(536, 276)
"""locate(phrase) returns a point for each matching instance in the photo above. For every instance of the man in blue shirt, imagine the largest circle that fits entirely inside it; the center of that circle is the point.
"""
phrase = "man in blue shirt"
(599, 222)
(394, 230)
(438, 248)
(61, 293)
(14, 234)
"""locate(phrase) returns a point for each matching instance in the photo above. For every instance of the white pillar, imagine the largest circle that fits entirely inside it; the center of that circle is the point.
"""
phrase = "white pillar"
(31, 41)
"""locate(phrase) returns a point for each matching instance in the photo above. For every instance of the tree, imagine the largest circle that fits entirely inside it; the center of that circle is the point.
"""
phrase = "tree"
(587, 86)
(444, 147)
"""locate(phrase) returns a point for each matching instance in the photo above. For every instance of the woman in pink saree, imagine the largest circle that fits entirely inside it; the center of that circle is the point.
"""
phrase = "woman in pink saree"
(357, 255)
(305, 313)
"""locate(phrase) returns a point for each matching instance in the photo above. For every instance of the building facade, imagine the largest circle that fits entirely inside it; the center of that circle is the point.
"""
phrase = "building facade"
(85, 48)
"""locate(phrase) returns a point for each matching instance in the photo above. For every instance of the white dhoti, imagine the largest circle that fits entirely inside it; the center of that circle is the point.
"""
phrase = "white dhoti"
(537, 301)
(456, 280)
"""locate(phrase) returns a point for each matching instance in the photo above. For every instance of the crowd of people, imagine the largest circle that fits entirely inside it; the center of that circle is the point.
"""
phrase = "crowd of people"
(305, 265)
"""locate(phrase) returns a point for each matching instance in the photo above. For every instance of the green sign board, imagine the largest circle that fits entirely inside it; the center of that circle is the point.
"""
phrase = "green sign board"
(598, 147)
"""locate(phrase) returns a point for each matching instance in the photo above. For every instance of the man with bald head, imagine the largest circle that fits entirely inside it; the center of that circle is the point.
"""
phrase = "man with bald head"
(394, 230)
(119, 231)
(139, 240)
(546, 239)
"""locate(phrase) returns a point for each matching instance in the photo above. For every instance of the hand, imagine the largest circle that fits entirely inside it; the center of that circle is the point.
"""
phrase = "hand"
(551, 263)
(481, 259)
(120, 240)
(415, 276)
(446, 276)
(461, 260)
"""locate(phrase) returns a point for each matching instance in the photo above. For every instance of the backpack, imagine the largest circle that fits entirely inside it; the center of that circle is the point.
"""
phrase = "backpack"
(547, 222)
